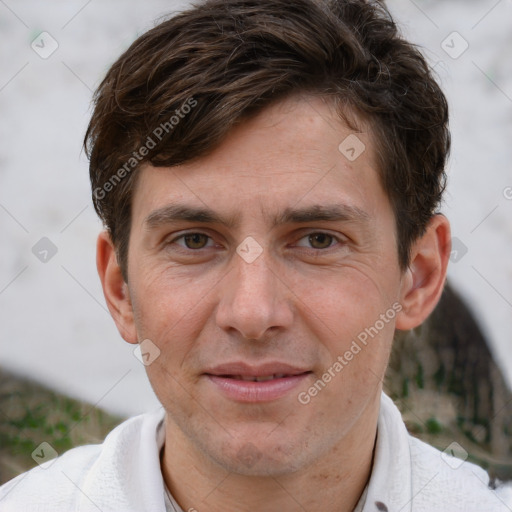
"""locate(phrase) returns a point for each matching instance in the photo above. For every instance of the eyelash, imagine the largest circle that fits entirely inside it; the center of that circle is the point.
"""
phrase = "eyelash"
(186, 249)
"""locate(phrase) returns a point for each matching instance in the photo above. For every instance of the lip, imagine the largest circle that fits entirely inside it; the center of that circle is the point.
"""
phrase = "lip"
(247, 370)
(224, 379)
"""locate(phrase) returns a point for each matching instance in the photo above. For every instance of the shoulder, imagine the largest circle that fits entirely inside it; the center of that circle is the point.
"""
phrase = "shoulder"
(59, 483)
(448, 482)
(413, 476)
(50, 484)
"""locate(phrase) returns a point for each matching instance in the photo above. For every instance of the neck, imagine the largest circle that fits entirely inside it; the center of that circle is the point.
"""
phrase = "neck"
(334, 483)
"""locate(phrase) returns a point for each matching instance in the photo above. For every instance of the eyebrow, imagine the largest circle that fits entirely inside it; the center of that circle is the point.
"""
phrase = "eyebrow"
(313, 213)
(321, 212)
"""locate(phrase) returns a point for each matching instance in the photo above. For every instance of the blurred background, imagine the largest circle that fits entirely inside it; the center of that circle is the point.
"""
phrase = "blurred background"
(54, 325)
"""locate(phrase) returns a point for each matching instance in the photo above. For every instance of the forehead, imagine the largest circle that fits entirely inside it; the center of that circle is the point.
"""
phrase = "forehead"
(296, 153)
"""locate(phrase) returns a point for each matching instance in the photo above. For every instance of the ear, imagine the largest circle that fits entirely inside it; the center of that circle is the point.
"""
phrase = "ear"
(423, 281)
(115, 289)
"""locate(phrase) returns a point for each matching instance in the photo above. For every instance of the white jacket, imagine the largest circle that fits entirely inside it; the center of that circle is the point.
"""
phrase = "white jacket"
(123, 475)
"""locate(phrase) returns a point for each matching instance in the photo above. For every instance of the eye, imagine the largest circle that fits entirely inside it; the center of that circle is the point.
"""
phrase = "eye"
(192, 241)
(319, 240)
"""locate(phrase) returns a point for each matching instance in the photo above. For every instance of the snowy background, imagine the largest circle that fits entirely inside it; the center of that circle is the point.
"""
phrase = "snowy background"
(54, 325)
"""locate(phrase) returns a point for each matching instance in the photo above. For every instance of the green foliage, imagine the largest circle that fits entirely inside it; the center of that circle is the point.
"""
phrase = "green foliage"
(433, 426)
(420, 377)
(30, 415)
(405, 387)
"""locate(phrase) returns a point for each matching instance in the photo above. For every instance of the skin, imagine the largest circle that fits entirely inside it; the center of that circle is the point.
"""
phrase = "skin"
(302, 301)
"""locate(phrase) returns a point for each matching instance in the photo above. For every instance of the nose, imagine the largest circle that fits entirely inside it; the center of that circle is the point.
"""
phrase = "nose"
(254, 299)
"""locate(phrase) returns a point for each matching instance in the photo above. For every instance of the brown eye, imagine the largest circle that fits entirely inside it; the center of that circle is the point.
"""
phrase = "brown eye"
(195, 240)
(320, 240)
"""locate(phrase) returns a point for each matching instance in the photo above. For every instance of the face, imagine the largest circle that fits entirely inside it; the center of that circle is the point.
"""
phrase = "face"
(257, 271)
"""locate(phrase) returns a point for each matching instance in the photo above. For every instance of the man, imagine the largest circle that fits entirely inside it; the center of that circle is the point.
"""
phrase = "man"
(269, 175)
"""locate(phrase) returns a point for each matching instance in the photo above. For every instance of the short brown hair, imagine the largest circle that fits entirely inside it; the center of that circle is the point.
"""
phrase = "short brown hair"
(212, 66)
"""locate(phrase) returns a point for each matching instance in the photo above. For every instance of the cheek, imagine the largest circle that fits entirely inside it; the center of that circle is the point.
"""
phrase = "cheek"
(165, 299)
(344, 302)
(352, 317)
(353, 372)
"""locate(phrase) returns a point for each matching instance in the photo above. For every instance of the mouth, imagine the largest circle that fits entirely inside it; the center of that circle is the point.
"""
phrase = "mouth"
(261, 378)
(243, 383)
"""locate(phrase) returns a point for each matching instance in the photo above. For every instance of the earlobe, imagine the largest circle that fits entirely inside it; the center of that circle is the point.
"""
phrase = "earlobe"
(423, 281)
(115, 289)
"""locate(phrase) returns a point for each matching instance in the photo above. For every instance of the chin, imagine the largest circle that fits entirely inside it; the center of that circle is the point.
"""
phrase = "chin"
(262, 459)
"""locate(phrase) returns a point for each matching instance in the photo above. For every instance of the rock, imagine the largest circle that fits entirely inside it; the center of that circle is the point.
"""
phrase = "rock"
(445, 381)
